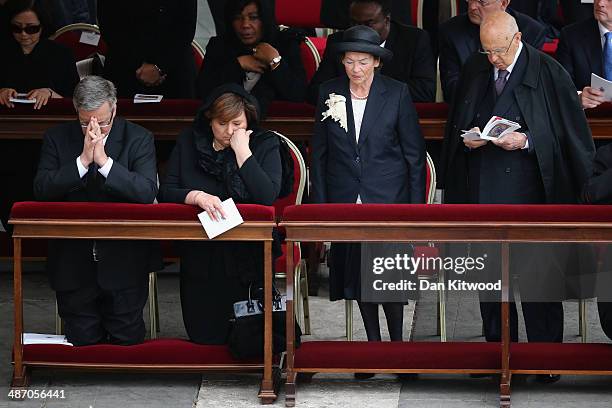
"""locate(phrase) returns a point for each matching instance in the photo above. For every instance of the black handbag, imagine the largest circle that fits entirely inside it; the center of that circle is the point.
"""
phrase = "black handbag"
(246, 339)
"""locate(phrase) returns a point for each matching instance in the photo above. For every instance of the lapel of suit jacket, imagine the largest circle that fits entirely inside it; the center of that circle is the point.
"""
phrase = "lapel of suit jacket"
(114, 143)
(389, 44)
(505, 101)
(593, 49)
(374, 106)
(350, 121)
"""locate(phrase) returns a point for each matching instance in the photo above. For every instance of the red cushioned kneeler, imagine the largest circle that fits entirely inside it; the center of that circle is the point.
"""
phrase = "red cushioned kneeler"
(561, 356)
(398, 355)
(151, 352)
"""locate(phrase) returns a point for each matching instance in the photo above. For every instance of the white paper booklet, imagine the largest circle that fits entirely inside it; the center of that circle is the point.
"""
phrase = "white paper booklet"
(22, 98)
(143, 98)
(215, 228)
(37, 338)
(495, 128)
(602, 84)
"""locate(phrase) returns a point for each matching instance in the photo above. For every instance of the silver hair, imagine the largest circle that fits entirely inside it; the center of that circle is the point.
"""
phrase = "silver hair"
(92, 92)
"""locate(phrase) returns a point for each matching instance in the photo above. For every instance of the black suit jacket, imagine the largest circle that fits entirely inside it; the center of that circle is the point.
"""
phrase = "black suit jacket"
(335, 13)
(287, 82)
(388, 163)
(154, 31)
(459, 39)
(559, 134)
(598, 189)
(580, 51)
(132, 179)
(412, 63)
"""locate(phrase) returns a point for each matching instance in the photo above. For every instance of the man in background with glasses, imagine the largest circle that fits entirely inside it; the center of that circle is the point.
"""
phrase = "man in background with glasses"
(459, 38)
(101, 286)
(546, 161)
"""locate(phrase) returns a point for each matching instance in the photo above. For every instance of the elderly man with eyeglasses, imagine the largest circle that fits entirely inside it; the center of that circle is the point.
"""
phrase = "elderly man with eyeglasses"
(101, 286)
(546, 161)
(459, 38)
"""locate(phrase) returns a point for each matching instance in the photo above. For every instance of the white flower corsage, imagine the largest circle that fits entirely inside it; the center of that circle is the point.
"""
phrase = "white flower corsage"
(336, 105)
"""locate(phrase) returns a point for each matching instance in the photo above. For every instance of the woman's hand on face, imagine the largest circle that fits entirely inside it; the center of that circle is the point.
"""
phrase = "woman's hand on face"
(265, 53)
(5, 95)
(249, 63)
(211, 204)
(240, 144)
(42, 96)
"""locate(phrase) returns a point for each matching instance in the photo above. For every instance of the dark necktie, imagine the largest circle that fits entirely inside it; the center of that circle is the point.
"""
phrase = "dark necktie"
(500, 82)
(607, 55)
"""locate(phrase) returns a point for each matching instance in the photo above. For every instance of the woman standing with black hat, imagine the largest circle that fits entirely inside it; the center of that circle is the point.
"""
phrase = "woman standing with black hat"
(367, 147)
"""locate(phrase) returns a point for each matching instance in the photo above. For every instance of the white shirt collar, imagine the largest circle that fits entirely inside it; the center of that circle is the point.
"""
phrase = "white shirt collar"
(511, 66)
(383, 44)
(602, 32)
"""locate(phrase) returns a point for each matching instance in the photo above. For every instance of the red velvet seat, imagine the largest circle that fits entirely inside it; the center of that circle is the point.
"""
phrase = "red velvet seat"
(70, 36)
(561, 356)
(550, 48)
(303, 13)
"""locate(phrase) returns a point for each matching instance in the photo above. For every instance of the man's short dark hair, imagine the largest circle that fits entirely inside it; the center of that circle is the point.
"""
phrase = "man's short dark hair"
(385, 5)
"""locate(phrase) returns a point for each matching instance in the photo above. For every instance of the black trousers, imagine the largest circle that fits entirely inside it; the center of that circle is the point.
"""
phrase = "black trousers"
(93, 315)
(605, 317)
(543, 321)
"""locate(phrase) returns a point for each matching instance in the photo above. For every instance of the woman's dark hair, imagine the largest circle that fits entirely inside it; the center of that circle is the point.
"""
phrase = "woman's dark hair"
(38, 7)
(266, 15)
(229, 105)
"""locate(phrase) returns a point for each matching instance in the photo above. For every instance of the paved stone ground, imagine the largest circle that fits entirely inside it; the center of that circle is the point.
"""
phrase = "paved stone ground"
(224, 390)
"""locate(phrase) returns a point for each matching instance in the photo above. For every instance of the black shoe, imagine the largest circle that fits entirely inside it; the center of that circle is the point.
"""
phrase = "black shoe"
(480, 375)
(548, 378)
(407, 376)
(364, 376)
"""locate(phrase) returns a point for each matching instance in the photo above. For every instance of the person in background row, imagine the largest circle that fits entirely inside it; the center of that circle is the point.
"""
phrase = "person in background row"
(255, 54)
(586, 47)
(31, 63)
(336, 14)
(67, 12)
(459, 38)
(412, 63)
(101, 286)
(367, 147)
(546, 161)
(223, 155)
(149, 46)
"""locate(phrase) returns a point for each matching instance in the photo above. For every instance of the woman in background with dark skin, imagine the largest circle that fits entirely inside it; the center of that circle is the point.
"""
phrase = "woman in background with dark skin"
(31, 63)
(256, 55)
(223, 155)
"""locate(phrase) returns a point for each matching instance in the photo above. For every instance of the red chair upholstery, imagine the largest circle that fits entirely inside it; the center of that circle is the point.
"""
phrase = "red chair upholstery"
(303, 13)
(310, 57)
(550, 48)
(198, 54)
(70, 36)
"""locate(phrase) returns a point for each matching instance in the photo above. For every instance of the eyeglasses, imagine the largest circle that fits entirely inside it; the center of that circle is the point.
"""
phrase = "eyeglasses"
(31, 29)
(498, 52)
(103, 125)
(482, 3)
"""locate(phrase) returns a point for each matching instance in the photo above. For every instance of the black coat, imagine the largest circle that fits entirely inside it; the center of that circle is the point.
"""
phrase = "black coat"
(287, 82)
(132, 179)
(149, 31)
(559, 133)
(598, 189)
(388, 163)
(412, 63)
(459, 39)
(580, 52)
(49, 65)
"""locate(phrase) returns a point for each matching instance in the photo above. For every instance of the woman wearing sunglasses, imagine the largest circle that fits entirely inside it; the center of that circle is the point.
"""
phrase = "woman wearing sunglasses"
(31, 63)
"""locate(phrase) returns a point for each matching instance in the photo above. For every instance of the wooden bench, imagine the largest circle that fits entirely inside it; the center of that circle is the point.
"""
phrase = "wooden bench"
(503, 224)
(45, 220)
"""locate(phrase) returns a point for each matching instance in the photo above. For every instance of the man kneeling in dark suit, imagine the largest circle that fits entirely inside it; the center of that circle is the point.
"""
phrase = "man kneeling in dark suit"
(101, 286)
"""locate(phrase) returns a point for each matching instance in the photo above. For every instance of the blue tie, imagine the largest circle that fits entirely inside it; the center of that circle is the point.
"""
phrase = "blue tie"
(607, 56)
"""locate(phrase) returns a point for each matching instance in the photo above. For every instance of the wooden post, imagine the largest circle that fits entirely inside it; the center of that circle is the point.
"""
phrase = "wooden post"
(504, 395)
(290, 389)
(266, 392)
(20, 378)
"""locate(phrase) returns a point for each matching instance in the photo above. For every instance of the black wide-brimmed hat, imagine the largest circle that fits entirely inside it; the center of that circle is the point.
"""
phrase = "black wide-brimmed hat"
(362, 38)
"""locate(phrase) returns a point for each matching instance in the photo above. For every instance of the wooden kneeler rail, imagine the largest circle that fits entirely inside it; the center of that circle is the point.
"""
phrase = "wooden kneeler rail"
(142, 222)
(503, 224)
